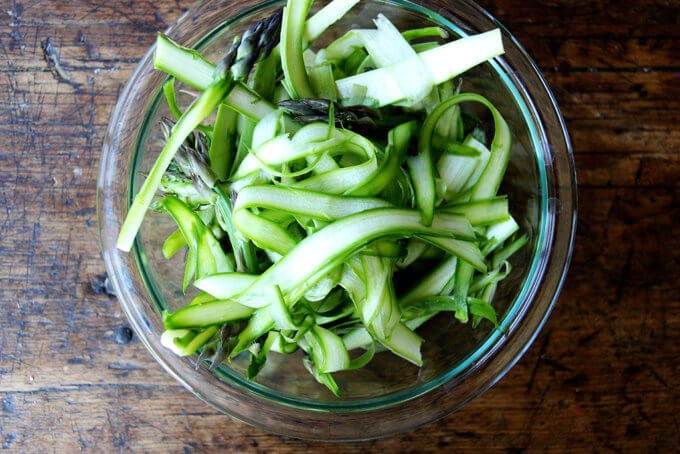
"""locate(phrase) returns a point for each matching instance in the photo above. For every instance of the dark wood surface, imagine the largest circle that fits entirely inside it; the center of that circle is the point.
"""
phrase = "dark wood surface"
(602, 376)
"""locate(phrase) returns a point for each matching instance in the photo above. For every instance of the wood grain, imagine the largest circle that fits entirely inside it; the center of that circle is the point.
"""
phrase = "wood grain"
(602, 375)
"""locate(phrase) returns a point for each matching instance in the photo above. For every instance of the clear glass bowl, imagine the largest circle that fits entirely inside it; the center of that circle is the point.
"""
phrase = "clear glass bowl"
(389, 395)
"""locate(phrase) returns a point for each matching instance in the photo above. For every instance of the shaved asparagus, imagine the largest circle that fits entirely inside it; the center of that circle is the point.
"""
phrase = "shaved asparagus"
(386, 85)
(306, 182)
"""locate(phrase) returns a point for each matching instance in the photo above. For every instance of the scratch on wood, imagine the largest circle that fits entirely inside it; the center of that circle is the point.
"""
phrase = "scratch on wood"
(119, 434)
(539, 360)
(623, 280)
(120, 365)
(159, 18)
(16, 34)
(89, 48)
(54, 63)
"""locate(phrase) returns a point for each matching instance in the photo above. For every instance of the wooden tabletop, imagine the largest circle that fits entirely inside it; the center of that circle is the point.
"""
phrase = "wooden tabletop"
(602, 376)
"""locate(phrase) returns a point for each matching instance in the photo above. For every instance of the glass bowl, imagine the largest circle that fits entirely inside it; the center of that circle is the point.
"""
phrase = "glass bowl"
(389, 395)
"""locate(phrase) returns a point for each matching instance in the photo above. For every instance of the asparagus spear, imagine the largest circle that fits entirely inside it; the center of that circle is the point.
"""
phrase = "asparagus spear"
(244, 55)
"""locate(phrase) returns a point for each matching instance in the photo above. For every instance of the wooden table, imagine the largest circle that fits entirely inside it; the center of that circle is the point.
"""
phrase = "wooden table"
(602, 376)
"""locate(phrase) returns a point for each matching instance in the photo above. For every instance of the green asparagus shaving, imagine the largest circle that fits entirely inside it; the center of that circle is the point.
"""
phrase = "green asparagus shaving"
(292, 36)
(331, 200)
(173, 244)
(506, 252)
(326, 17)
(242, 250)
(398, 141)
(205, 256)
(204, 105)
(223, 140)
(259, 355)
(408, 81)
(483, 212)
(174, 60)
(169, 92)
(429, 306)
(330, 246)
(425, 32)
(481, 309)
(185, 342)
